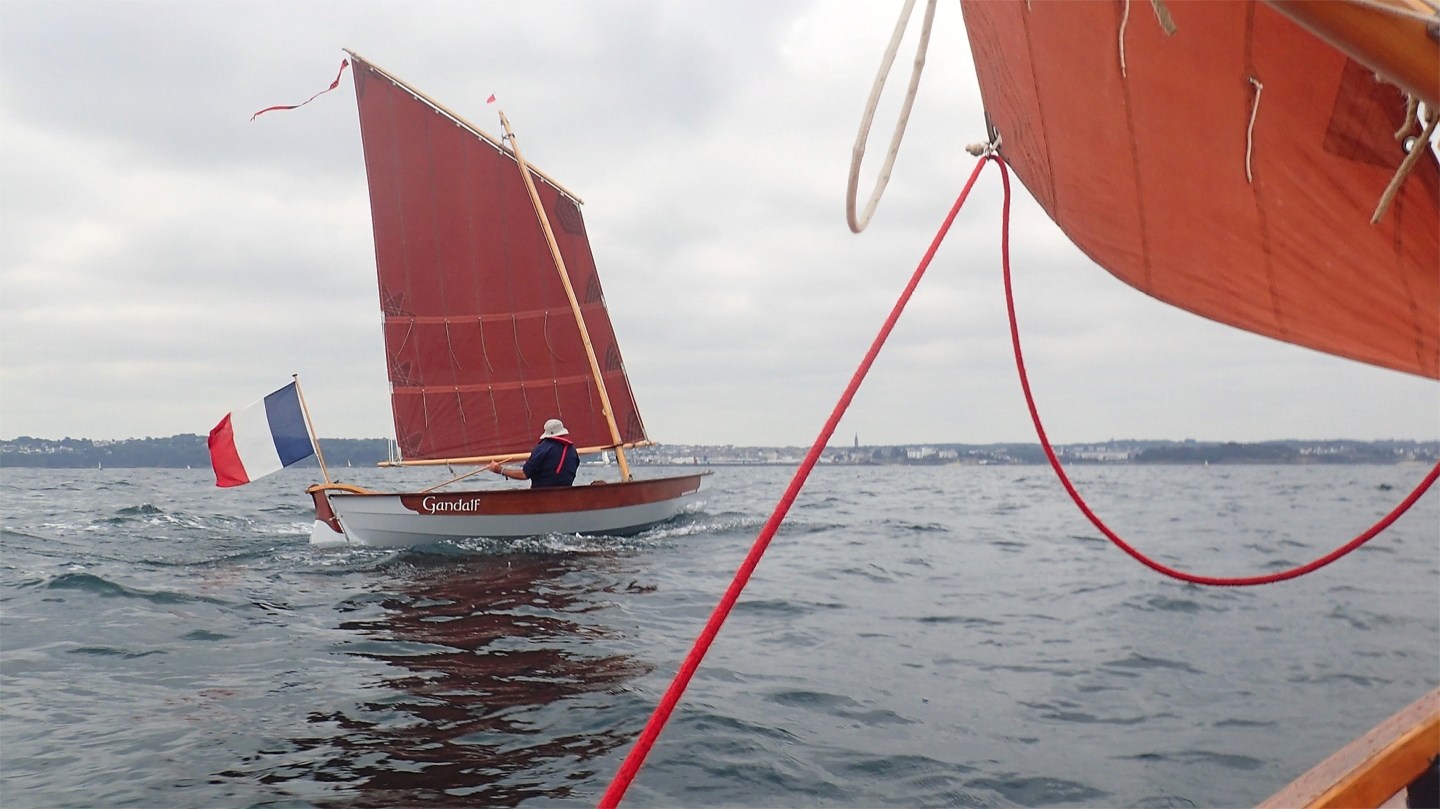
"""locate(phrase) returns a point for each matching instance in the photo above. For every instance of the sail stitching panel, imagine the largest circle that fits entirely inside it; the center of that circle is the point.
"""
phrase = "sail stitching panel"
(432, 146)
(1040, 107)
(503, 202)
(401, 431)
(1149, 285)
(1398, 212)
(504, 386)
(466, 184)
(622, 397)
(545, 325)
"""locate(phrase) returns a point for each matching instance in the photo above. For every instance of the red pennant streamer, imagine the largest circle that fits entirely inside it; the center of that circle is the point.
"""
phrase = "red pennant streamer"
(344, 63)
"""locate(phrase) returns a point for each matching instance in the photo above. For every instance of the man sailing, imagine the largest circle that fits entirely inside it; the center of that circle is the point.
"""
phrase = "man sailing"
(552, 463)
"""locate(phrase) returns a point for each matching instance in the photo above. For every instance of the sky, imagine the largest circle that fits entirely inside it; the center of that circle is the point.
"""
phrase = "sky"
(164, 260)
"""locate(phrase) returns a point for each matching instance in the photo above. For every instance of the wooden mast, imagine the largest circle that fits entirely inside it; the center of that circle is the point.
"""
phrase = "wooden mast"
(570, 294)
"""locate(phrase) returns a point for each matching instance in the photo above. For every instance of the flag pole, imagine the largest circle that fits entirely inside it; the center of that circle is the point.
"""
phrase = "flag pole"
(310, 426)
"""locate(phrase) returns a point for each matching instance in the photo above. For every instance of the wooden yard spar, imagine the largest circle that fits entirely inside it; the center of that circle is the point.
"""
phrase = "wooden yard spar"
(569, 294)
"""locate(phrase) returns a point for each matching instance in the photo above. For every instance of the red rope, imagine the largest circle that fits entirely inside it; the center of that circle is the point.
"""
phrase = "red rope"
(636, 758)
(1214, 581)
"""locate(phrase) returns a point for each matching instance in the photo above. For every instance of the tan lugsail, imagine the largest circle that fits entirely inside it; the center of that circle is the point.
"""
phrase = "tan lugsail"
(1215, 155)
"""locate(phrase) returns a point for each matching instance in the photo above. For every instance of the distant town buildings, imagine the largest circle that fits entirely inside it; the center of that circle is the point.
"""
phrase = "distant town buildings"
(190, 450)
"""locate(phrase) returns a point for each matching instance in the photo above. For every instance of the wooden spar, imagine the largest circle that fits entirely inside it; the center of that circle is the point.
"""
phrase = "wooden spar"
(309, 425)
(455, 479)
(481, 460)
(1374, 767)
(570, 294)
(448, 113)
(1394, 43)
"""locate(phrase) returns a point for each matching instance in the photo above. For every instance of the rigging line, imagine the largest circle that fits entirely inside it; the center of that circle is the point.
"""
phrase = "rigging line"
(1250, 130)
(1212, 581)
(857, 155)
(637, 754)
(450, 344)
(484, 352)
(1411, 103)
(615, 792)
(1418, 148)
(1124, 20)
(1162, 16)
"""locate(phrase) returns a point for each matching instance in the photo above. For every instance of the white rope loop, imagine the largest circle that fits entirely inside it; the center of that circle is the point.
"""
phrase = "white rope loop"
(857, 156)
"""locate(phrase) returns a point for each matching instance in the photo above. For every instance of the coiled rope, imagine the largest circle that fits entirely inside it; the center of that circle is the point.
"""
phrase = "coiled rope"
(636, 758)
(857, 154)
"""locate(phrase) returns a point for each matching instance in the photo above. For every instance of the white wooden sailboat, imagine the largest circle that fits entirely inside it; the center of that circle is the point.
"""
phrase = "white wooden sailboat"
(492, 319)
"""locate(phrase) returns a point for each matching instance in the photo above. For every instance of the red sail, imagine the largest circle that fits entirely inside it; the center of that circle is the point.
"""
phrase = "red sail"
(480, 339)
(1145, 168)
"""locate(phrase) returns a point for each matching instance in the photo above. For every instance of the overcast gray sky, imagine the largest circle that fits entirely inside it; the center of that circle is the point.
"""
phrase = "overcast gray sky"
(165, 260)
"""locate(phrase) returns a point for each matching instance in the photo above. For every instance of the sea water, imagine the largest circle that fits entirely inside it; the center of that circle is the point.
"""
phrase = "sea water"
(936, 636)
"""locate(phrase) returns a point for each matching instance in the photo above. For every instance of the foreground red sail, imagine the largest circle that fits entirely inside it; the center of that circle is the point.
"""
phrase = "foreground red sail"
(1231, 168)
(480, 341)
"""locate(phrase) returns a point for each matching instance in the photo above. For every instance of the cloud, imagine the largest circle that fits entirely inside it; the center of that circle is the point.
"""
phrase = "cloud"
(165, 260)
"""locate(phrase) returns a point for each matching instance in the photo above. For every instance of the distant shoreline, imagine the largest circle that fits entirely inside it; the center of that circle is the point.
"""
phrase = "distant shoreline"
(189, 450)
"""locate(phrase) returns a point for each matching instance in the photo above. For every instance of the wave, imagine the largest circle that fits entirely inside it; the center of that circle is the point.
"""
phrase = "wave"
(1229, 761)
(142, 510)
(1038, 790)
(111, 651)
(104, 588)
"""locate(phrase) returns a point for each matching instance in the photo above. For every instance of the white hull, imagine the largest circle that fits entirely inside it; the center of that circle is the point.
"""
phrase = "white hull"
(409, 520)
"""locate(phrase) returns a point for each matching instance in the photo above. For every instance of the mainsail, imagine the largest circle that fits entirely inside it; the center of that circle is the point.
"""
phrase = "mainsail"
(480, 339)
(1219, 157)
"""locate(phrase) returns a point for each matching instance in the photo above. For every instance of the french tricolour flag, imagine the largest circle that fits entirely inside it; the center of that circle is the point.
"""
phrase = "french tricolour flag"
(266, 436)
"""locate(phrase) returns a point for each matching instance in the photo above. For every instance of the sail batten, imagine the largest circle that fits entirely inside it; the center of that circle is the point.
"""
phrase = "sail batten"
(482, 346)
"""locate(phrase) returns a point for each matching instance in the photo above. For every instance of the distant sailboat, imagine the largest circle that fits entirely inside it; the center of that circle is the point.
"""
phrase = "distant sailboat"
(494, 322)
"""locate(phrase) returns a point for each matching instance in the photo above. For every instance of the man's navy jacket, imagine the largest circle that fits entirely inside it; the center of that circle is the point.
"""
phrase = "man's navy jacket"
(552, 463)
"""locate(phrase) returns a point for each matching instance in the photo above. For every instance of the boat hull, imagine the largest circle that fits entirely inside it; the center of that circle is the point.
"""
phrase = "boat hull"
(398, 519)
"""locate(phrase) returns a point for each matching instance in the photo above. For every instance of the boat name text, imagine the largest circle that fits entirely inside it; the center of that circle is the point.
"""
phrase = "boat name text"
(434, 505)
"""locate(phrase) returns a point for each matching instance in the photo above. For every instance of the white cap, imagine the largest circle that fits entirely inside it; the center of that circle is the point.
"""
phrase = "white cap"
(553, 427)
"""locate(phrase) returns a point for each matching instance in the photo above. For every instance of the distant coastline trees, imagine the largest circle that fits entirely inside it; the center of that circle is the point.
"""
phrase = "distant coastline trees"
(189, 450)
(174, 452)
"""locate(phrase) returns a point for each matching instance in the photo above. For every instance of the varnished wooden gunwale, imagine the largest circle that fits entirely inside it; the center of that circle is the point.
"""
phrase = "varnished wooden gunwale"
(1373, 768)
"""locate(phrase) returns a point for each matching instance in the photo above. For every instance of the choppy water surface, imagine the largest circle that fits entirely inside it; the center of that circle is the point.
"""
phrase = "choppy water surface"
(954, 636)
